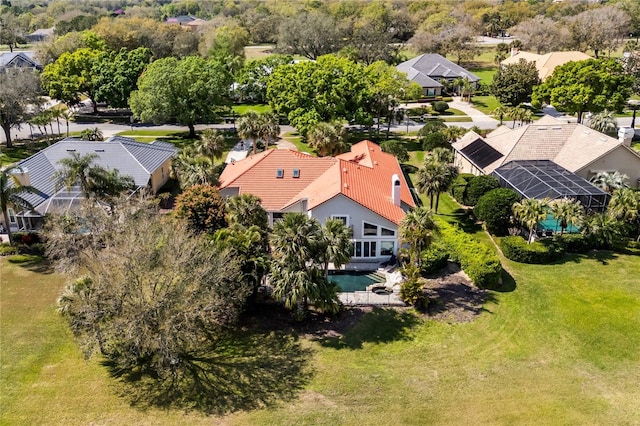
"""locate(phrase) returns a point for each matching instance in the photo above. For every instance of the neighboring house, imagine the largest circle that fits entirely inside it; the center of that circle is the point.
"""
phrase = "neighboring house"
(148, 164)
(40, 35)
(545, 64)
(197, 24)
(430, 69)
(19, 60)
(180, 20)
(365, 188)
(571, 146)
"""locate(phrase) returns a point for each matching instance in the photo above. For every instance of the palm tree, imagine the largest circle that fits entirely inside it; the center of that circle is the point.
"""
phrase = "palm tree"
(604, 122)
(211, 144)
(417, 229)
(501, 111)
(610, 181)
(602, 228)
(295, 240)
(328, 138)
(466, 89)
(337, 246)
(440, 155)
(452, 133)
(568, 212)
(269, 128)
(12, 194)
(434, 178)
(66, 115)
(529, 212)
(247, 211)
(75, 168)
(249, 128)
(194, 170)
(94, 134)
(625, 206)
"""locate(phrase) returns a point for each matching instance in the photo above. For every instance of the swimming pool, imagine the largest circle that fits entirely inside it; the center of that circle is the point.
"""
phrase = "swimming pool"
(350, 281)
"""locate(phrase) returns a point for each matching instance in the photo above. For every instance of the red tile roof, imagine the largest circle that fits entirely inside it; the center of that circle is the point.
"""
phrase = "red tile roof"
(363, 175)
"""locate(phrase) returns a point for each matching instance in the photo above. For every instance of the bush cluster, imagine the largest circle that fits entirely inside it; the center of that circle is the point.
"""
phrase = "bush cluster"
(459, 186)
(574, 243)
(434, 258)
(539, 252)
(477, 260)
(477, 187)
(8, 250)
(494, 209)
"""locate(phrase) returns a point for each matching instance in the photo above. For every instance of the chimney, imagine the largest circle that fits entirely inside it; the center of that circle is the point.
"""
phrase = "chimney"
(514, 51)
(22, 173)
(395, 190)
(625, 135)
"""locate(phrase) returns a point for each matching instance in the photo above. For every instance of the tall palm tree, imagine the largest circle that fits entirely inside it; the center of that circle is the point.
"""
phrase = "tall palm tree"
(211, 144)
(440, 155)
(92, 134)
(336, 245)
(247, 211)
(434, 178)
(328, 138)
(529, 212)
(568, 212)
(417, 229)
(466, 89)
(610, 181)
(269, 128)
(67, 115)
(452, 133)
(602, 228)
(625, 206)
(194, 170)
(249, 128)
(75, 168)
(12, 194)
(604, 122)
(500, 111)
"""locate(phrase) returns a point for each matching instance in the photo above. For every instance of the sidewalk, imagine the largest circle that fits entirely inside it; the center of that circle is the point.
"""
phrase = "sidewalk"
(477, 117)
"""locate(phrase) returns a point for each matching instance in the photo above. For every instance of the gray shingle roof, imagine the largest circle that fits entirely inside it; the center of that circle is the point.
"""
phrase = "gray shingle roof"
(13, 58)
(434, 67)
(135, 159)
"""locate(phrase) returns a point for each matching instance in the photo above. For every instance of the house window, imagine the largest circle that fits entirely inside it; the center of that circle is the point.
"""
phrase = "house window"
(296, 173)
(280, 173)
(370, 229)
(387, 232)
(386, 248)
(365, 249)
(277, 217)
(12, 216)
(343, 218)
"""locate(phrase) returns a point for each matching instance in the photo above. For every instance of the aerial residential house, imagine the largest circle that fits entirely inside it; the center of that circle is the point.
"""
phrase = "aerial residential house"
(40, 34)
(545, 64)
(572, 148)
(430, 69)
(148, 165)
(20, 60)
(365, 188)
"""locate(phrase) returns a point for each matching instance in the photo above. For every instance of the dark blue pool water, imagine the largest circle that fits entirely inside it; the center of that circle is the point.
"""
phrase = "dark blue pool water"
(354, 280)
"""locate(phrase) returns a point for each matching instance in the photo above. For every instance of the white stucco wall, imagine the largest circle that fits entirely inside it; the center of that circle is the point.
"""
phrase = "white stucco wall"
(619, 159)
(160, 176)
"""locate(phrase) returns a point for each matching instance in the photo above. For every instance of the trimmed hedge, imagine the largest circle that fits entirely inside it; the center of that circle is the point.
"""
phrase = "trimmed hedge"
(574, 243)
(8, 250)
(478, 186)
(494, 209)
(538, 252)
(459, 186)
(476, 259)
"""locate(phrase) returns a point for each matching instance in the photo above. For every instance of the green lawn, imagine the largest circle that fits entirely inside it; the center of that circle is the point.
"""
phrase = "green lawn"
(485, 104)
(562, 348)
(485, 74)
(244, 108)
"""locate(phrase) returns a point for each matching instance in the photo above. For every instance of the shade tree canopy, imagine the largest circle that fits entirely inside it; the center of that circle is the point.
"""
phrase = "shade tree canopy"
(513, 83)
(188, 90)
(117, 73)
(19, 92)
(590, 85)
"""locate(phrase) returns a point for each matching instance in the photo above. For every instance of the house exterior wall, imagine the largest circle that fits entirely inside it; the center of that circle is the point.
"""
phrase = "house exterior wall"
(431, 91)
(160, 176)
(383, 245)
(619, 159)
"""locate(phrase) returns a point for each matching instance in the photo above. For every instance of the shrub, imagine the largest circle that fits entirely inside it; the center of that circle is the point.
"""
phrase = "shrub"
(8, 250)
(397, 149)
(447, 99)
(202, 207)
(459, 186)
(494, 209)
(539, 252)
(440, 106)
(476, 259)
(478, 186)
(27, 238)
(573, 243)
(434, 258)
(411, 290)
(435, 140)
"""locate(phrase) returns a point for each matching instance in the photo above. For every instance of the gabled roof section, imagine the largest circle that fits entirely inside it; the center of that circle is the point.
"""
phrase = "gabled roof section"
(570, 145)
(436, 66)
(545, 64)
(363, 175)
(18, 59)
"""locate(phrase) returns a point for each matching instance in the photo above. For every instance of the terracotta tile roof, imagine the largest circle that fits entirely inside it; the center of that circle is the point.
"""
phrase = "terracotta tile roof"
(363, 175)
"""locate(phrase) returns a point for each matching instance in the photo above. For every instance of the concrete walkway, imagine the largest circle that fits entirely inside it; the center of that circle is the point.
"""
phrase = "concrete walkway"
(478, 118)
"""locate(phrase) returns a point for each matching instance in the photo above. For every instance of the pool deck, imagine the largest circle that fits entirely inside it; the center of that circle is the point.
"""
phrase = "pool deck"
(370, 298)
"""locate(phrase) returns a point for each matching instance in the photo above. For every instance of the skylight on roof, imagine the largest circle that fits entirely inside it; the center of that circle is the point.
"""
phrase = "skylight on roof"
(296, 173)
(280, 173)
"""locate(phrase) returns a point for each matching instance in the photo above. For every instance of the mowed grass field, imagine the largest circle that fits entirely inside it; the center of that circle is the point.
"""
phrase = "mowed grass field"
(562, 346)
